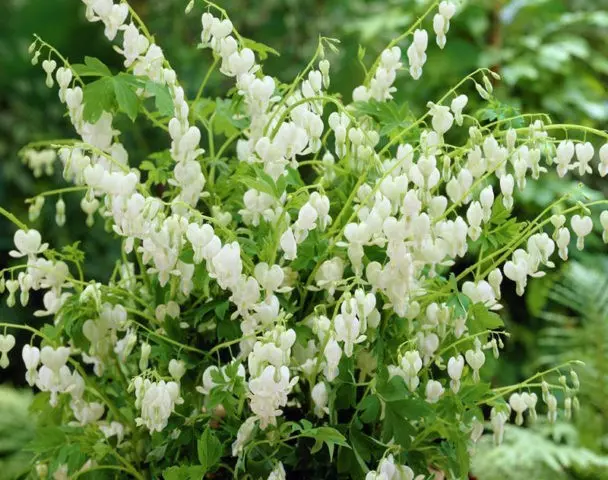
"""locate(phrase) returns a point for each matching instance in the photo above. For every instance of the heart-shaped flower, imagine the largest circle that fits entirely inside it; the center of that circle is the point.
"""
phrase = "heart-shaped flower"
(54, 358)
(7, 342)
(27, 243)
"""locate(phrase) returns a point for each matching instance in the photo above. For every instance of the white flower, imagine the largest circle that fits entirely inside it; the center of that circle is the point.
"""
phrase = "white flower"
(49, 67)
(28, 244)
(87, 413)
(604, 223)
(518, 404)
(157, 404)
(278, 473)
(474, 219)
(177, 369)
(332, 354)
(476, 430)
(439, 26)
(227, 265)
(562, 240)
(348, 329)
(269, 278)
(498, 419)
(447, 9)
(243, 435)
(442, 118)
(53, 358)
(518, 269)
(582, 227)
(455, 366)
(329, 274)
(495, 280)
(434, 390)
(457, 106)
(100, 133)
(411, 363)
(7, 342)
(146, 349)
(551, 402)
(475, 359)
(417, 53)
(530, 399)
(584, 154)
(564, 154)
(289, 245)
(602, 167)
(320, 397)
(486, 198)
(361, 94)
(307, 216)
(268, 393)
(31, 359)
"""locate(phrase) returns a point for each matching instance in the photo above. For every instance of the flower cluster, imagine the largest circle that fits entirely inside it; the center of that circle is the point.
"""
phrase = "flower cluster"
(305, 295)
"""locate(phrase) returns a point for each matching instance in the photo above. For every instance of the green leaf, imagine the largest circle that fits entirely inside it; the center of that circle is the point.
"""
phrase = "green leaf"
(209, 450)
(127, 99)
(221, 309)
(259, 184)
(460, 302)
(370, 409)
(92, 67)
(47, 438)
(184, 472)
(98, 98)
(162, 97)
(398, 416)
(224, 122)
(261, 49)
(484, 319)
(392, 390)
(325, 435)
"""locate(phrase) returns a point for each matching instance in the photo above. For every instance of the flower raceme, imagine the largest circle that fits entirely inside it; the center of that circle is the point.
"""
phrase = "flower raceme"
(303, 294)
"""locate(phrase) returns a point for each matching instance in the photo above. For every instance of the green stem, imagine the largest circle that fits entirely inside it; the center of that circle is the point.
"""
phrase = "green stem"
(159, 336)
(155, 121)
(506, 390)
(58, 191)
(13, 219)
(210, 70)
(104, 467)
(60, 56)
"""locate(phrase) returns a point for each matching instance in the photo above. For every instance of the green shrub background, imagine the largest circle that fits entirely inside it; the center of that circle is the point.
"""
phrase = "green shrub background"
(553, 57)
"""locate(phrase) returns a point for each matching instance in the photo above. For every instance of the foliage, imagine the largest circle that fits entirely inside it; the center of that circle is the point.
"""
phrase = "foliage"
(16, 431)
(541, 453)
(576, 316)
(315, 291)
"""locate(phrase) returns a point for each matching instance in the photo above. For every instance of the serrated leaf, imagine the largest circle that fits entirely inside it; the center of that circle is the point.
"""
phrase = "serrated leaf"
(325, 435)
(98, 97)
(209, 450)
(484, 319)
(92, 67)
(225, 122)
(47, 438)
(184, 472)
(392, 390)
(258, 184)
(460, 302)
(127, 99)
(162, 97)
(221, 309)
(261, 49)
(370, 409)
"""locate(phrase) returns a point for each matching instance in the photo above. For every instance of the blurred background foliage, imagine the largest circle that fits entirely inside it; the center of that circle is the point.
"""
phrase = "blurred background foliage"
(552, 56)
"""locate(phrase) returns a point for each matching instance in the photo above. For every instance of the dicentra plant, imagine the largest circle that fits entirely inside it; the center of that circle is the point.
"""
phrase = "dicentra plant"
(307, 286)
